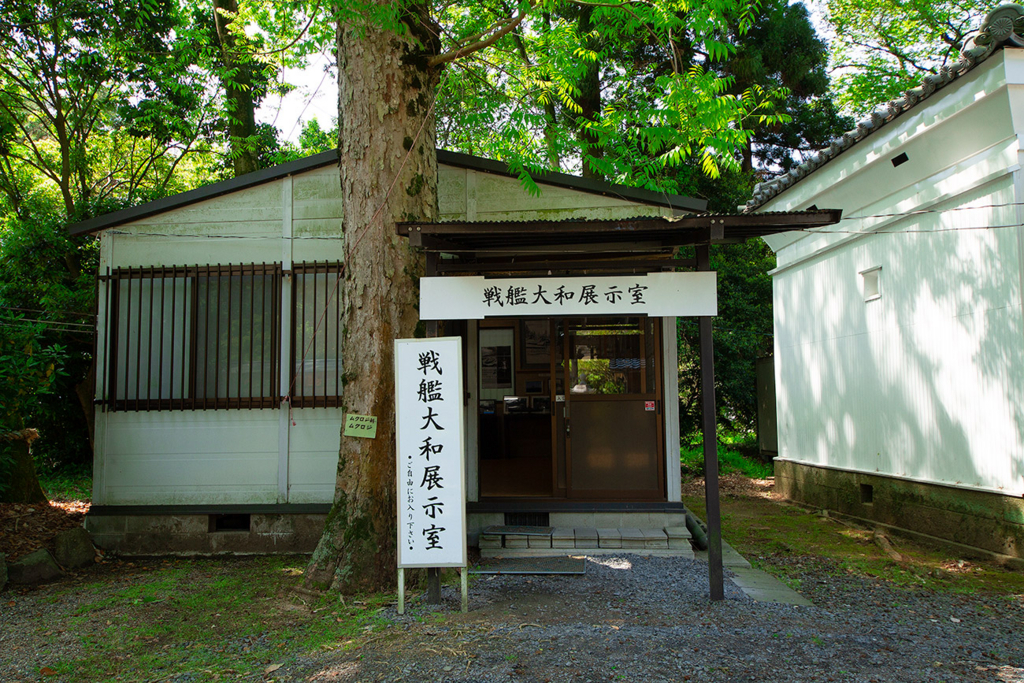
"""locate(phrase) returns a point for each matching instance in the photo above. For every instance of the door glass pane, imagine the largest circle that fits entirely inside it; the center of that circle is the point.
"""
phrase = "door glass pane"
(608, 356)
(651, 354)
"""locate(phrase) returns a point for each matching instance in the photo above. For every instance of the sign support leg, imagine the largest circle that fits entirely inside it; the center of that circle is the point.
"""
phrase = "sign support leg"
(401, 591)
(434, 586)
(465, 588)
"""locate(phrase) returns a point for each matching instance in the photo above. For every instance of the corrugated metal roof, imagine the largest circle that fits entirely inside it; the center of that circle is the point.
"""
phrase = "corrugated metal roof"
(1000, 28)
(663, 232)
(631, 219)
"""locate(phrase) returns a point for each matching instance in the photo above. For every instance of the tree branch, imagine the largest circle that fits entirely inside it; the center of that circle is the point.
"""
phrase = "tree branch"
(504, 30)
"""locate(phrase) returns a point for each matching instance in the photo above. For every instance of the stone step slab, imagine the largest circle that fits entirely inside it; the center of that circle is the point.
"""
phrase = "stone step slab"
(586, 538)
(655, 539)
(609, 538)
(632, 539)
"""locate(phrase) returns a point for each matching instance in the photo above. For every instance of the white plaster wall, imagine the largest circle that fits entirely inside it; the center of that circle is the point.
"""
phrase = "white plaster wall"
(927, 381)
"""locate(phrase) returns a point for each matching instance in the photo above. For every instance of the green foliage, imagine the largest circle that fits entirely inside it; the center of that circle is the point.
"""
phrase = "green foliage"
(65, 482)
(28, 370)
(312, 140)
(782, 52)
(732, 458)
(72, 70)
(49, 277)
(882, 48)
(742, 332)
(623, 92)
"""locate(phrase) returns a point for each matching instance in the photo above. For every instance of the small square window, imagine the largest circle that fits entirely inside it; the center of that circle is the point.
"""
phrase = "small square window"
(872, 285)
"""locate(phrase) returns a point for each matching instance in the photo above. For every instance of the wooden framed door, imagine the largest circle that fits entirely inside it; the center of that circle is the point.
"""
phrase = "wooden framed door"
(613, 409)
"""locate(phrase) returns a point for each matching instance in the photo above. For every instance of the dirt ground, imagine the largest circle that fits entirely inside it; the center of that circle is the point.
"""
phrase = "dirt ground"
(928, 617)
(25, 528)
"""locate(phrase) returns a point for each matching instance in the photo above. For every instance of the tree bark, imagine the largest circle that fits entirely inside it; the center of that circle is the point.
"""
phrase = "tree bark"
(386, 92)
(238, 90)
(590, 98)
(23, 485)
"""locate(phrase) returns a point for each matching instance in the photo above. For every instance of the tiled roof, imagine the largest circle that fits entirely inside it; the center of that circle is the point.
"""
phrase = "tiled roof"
(1003, 26)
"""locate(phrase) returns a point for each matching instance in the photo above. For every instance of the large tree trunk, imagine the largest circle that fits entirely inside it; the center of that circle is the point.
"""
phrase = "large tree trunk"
(238, 90)
(590, 97)
(386, 128)
(22, 485)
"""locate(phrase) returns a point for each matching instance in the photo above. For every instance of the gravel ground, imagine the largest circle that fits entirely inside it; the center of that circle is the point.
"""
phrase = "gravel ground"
(648, 619)
(629, 618)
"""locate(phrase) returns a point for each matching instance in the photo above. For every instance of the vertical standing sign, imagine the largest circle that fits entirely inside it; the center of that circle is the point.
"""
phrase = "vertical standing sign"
(430, 456)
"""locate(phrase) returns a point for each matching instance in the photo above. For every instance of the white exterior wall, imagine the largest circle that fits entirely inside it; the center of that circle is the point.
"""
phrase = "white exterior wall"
(925, 382)
(258, 456)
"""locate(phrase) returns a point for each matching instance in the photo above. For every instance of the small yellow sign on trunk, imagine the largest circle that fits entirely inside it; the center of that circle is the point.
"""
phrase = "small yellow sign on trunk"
(362, 426)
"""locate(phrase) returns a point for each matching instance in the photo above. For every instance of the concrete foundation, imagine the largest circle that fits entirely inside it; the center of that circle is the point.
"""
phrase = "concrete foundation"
(987, 521)
(188, 534)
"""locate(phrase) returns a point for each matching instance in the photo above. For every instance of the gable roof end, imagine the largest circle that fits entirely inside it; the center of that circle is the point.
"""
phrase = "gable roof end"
(1002, 26)
(330, 157)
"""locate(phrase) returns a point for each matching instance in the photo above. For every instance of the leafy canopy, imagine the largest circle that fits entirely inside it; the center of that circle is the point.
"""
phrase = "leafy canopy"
(661, 103)
(882, 48)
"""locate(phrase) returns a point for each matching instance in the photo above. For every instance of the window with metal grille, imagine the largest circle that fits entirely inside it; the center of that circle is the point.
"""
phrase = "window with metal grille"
(193, 337)
(316, 338)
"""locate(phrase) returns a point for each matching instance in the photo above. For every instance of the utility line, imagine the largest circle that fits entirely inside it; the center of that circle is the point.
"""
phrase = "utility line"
(36, 310)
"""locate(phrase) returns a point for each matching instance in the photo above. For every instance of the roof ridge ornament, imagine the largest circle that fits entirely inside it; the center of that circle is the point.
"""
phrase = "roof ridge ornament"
(1003, 26)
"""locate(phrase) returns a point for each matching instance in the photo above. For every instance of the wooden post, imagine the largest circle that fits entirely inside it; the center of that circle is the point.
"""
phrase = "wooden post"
(433, 573)
(707, 389)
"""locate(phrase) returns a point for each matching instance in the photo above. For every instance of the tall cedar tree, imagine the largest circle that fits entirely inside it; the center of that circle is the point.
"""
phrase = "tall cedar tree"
(389, 64)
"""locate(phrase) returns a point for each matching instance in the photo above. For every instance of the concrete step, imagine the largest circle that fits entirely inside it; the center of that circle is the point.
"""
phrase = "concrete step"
(673, 541)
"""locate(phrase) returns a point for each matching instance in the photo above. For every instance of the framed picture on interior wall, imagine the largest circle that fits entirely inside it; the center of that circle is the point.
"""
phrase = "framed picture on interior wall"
(535, 337)
(496, 360)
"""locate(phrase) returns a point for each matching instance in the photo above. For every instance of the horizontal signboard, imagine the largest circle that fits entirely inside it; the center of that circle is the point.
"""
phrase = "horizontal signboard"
(653, 294)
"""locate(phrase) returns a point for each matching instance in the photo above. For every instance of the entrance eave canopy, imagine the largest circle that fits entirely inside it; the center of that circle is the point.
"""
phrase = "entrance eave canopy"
(496, 245)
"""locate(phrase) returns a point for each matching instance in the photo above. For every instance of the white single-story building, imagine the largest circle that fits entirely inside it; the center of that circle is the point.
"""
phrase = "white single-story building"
(219, 393)
(899, 332)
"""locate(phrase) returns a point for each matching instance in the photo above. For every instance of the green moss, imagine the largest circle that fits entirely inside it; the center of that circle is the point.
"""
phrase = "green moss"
(415, 185)
(205, 620)
(779, 538)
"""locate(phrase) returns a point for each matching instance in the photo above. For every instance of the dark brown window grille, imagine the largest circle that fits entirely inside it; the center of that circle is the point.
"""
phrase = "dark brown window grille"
(316, 338)
(193, 337)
